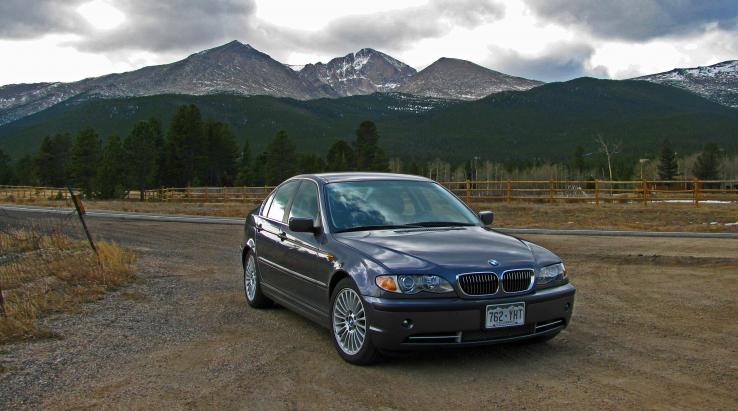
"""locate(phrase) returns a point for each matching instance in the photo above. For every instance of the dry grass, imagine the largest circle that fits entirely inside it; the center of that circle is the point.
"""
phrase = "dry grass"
(654, 217)
(634, 216)
(47, 273)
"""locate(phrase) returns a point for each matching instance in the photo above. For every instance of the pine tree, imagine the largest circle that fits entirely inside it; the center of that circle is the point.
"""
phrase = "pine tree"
(160, 174)
(83, 160)
(142, 151)
(222, 154)
(258, 171)
(667, 162)
(25, 171)
(412, 168)
(186, 151)
(6, 169)
(365, 145)
(51, 160)
(579, 163)
(244, 166)
(281, 159)
(111, 171)
(340, 157)
(707, 166)
(368, 155)
(381, 162)
(310, 163)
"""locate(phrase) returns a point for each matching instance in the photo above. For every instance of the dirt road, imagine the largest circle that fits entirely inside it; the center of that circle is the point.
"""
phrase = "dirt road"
(655, 324)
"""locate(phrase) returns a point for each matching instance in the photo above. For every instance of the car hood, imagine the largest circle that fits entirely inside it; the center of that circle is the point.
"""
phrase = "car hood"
(457, 249)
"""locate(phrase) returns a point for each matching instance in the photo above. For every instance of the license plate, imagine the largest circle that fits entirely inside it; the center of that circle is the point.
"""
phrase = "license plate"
(505, 315)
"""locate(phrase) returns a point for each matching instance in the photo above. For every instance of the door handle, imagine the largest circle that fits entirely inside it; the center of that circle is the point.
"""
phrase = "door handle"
(282, 235)
(259, 227)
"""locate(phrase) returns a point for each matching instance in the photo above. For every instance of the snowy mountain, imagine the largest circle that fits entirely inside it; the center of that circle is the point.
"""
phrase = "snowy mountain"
(237, 68)
(462, 80)
(364, 72)
(231, 68)
(718, 82)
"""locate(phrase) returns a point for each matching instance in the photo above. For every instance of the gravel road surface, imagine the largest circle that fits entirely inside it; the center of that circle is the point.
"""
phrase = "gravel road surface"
(655, 325)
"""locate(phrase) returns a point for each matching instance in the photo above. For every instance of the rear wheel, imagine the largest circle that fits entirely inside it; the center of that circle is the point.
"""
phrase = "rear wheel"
(350, 325)
(252, 284)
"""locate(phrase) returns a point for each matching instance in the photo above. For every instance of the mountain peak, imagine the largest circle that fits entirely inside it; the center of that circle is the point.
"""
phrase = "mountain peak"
(362, 72)
(459, 79)
(718, 82)
(233, 46)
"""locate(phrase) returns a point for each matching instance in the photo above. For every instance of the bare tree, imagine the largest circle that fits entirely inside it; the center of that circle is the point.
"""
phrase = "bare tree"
(609, 149)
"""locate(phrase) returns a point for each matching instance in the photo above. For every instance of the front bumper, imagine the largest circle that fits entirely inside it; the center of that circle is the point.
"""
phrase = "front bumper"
(415, 323)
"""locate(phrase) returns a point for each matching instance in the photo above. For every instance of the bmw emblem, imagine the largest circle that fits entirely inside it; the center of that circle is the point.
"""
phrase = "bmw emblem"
(493, 263)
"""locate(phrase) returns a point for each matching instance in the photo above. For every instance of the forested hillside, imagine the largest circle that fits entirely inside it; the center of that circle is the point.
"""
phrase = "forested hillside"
(546, 123)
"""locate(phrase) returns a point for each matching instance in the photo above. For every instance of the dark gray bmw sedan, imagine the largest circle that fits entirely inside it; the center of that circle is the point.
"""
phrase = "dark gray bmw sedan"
(392, 262)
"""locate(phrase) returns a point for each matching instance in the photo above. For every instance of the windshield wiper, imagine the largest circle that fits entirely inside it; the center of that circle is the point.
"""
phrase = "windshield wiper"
(442, 224)
(378, 227)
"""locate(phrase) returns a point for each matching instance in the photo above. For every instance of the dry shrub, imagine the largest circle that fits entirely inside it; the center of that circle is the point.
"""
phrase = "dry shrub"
(47, 273)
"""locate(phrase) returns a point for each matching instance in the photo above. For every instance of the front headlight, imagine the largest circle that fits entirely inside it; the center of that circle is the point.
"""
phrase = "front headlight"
(412, 284)
(551, 273)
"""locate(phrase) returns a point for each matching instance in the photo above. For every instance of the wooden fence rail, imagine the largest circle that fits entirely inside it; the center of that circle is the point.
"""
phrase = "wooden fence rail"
(592, 191)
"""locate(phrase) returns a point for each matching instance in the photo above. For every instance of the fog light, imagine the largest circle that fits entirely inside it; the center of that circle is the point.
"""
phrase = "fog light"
(407, 323)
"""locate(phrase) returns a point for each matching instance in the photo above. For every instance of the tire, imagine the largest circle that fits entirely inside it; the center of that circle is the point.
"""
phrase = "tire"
(348, 319)
(252, 283)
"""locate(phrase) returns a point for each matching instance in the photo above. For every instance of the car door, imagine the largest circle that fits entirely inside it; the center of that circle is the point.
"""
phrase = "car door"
(303, 256)
(270, 235)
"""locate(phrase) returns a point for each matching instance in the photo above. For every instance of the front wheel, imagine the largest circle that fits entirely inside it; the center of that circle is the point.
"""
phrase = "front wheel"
(252, 284)
(350, 325)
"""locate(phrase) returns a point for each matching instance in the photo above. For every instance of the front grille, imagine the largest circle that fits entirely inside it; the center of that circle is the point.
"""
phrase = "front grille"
(517, 280)
(478, 284)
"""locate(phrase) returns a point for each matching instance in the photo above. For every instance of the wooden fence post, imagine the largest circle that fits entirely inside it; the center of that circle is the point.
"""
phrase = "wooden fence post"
(81, 213)
(645, 192)
(550, 191)
(468, 191)
(2, 302)
(597, 192)
(696, 192)
(509, 191)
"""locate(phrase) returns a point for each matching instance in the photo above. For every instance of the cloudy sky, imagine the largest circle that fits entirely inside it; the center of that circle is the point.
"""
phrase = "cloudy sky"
(65, 40)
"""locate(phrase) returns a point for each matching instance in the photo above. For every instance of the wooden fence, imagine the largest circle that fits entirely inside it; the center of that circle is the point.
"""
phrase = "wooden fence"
(34, 193)
(594, 191)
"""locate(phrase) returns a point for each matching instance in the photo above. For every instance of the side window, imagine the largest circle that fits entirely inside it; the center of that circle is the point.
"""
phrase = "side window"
(265, 207)
(306, 202)
(281, 198)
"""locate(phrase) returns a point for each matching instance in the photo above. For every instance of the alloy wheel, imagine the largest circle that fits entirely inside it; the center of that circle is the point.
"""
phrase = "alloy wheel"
(349, 321)
(249, 278)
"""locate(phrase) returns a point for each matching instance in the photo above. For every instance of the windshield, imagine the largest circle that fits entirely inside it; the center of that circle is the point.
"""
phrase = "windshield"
(366, 205)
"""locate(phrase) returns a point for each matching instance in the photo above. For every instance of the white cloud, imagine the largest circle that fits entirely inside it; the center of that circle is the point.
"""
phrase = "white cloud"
(101, 15)
(79, 38)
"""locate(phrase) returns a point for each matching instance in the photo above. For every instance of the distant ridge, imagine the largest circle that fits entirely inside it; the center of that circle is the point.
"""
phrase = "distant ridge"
(232, 68)
(718, 82)
(462, 80)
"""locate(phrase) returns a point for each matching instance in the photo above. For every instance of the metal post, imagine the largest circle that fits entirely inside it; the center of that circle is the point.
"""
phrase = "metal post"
(81, 212)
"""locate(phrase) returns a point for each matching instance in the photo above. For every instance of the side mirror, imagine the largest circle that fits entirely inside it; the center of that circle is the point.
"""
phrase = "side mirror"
(303, 225)
(487, 217)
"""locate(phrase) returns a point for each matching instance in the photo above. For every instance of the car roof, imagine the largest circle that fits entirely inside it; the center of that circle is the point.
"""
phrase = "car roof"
(360, 176)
